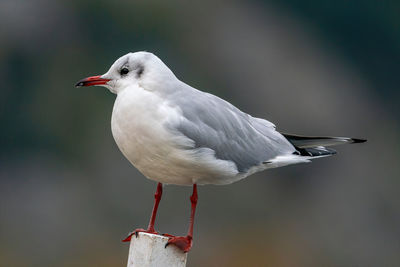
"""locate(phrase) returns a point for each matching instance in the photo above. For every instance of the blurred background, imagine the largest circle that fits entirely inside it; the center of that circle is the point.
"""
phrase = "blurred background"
(67, 195)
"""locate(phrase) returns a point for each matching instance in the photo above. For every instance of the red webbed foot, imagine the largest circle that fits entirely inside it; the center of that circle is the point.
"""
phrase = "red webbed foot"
(129, 237)
(182, 242)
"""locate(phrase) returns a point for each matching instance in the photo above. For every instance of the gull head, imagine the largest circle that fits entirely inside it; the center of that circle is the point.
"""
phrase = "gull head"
(141, 69)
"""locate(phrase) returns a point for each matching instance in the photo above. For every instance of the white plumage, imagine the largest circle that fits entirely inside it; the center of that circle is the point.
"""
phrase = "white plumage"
(175, 134)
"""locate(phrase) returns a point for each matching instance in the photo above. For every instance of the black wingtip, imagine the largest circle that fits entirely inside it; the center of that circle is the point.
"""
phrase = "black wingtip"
(356, 140)
(317, 151)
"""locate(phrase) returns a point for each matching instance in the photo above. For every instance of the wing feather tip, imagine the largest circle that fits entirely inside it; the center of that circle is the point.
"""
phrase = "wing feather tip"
(358, 140)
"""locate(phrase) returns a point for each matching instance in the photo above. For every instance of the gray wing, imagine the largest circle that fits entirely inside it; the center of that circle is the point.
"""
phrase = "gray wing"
(234, 135)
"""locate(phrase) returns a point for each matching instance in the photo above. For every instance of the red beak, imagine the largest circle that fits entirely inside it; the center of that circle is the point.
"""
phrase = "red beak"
(89, 81)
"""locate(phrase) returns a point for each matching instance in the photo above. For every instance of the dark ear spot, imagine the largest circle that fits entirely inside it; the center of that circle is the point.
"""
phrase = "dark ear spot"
(139, 71)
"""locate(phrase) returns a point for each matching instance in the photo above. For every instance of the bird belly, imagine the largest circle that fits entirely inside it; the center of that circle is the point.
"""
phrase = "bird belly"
(139, 128)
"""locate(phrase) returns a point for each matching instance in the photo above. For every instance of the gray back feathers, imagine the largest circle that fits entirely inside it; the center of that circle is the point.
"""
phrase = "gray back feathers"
(236, 136)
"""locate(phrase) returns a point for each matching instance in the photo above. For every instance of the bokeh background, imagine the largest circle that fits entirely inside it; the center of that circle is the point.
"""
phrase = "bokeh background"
(67, 195)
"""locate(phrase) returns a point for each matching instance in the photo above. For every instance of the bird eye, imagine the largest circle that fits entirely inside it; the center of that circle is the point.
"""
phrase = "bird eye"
(124, 71)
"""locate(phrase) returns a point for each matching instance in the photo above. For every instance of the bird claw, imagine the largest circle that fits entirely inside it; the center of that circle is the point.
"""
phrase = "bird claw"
(136, 232)
(184, 243)
(168, 235)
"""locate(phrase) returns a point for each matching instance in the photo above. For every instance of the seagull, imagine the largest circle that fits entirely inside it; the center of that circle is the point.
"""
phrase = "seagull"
(175, 134)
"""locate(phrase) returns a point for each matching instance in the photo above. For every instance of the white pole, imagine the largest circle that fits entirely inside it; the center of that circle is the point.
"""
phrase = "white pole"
(148, 250)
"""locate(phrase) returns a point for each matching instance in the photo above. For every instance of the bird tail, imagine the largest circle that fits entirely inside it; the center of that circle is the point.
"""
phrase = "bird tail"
(316, 146)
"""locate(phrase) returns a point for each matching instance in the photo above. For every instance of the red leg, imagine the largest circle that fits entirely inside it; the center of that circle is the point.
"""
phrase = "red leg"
(157, 198)
(150, 228)
(185, 242)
